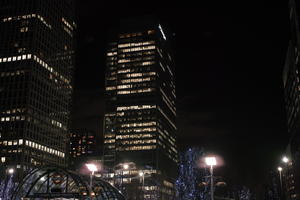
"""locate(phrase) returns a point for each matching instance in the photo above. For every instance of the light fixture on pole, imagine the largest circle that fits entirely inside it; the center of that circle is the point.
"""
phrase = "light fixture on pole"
(211, 161)
(280, 177)
(142, 175)
(285, 159)
(10, 171)
(125, 166)
(92, 168)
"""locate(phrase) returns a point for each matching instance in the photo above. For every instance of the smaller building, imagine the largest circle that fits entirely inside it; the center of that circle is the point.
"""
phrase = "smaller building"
(82, 146)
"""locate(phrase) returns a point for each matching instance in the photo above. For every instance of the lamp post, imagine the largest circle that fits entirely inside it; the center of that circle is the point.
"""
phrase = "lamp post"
(211, 161)
(142, 176)
(280, 177)
(92, 168)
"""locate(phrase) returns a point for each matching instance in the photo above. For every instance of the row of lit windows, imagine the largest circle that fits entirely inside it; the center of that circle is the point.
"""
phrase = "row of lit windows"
(15, 110)
(167, 118)
(137, 148)
(44, 148)
(145, 63)
(109, 141)
(110, 88)
(135, 80)
(124, 86)
(112, 53)
(135, 44)
(138, 49)
(129, 142)
(139, 124)
(67, 23)
(33, 145)
(27, 17)
(35, 58)
(168, 102)
(14, 73)
(68, 31)
(162, 67)
(168, 138)
(137, 107)
(136, 91)
(56, 123)
(13, 118)
(122, 137)
(132, 59)
(24, 29)
(137, 130)
(122, 71)
(140, 74)
(11, 142)
(109, 135)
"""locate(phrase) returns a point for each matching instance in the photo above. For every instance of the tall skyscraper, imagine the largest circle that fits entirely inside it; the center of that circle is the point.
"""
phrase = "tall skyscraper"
(36, 66)
(140, 117)
(291, 83)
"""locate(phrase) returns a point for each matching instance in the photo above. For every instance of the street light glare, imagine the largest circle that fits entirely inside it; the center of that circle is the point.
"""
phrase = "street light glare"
(285, 159)
(11, 171)
(279, 169)
(211, 161)
(141, 173)
(125, 166)
(91, 167)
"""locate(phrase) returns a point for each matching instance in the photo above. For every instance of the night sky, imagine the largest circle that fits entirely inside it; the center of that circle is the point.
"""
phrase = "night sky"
(229, 61)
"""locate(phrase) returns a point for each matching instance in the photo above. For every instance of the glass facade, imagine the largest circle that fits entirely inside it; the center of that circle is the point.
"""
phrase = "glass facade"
(36, 66)
(140, 116)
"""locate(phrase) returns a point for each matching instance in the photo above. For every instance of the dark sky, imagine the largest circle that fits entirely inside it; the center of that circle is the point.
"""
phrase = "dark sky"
(229, 60)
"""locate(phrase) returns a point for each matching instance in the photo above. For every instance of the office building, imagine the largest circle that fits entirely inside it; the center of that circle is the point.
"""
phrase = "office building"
(36, 66)
(140, 117)
(82, 146)
(292, 104)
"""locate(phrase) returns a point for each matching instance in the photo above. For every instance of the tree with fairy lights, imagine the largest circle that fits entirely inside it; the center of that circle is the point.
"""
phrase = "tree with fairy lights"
(191, 176)
(7, 187)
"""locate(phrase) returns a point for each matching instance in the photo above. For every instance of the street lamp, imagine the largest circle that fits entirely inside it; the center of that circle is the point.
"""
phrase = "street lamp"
(285, 159)
(92, 168)
(211, 161)
(142, 175)
(125, 166)
(280, 177)
(10, 171)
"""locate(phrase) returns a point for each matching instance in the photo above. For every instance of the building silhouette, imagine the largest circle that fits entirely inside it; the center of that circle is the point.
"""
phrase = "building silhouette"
(291, 172)
(140, 116)
(36, 67)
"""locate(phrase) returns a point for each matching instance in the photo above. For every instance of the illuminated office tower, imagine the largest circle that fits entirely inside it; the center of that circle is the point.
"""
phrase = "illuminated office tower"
(140, 116)
(36, 66)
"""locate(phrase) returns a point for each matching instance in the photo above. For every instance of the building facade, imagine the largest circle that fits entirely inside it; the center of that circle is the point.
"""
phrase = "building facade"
(82, 146)
(291, 83)
(36, 67)
(140, 117)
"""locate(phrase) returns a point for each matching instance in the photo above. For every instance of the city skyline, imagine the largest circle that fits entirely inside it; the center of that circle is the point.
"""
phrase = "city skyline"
(127, 95)
(237, 59)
